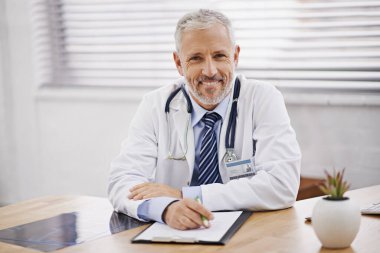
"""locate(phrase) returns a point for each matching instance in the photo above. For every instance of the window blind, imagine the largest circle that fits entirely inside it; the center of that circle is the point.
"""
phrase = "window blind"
(316, 43)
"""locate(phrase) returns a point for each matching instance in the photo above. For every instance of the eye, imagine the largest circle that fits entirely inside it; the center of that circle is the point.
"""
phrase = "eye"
(220, 56)
(195, 58)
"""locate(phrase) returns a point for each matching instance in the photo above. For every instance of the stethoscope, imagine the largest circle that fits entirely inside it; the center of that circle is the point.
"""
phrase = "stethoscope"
(230, 154)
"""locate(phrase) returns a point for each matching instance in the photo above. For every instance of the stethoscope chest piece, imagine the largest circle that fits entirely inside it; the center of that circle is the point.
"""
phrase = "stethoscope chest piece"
(229, 156)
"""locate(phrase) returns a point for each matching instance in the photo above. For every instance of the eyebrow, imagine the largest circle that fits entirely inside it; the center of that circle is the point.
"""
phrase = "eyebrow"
(200, 54)
(220, 51)
(192, 55)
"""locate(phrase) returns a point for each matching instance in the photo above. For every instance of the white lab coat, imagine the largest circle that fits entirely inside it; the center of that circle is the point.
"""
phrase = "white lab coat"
(261, 116)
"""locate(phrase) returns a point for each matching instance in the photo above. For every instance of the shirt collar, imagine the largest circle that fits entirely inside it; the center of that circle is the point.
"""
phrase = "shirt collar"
(199, 112)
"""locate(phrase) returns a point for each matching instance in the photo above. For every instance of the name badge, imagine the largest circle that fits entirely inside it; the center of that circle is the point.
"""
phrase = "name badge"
(241, 168)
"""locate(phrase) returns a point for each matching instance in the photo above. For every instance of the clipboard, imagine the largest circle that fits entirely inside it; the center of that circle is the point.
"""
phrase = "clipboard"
(158, 233)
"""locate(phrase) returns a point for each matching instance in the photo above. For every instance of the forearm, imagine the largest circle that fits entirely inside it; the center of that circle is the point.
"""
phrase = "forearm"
(121, 180)
(268, 190)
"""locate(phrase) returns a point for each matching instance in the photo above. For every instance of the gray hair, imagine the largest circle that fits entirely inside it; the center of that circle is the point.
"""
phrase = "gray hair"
(201, 19)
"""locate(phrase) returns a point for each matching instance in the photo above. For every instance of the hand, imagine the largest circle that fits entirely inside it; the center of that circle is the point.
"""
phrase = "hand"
(152, 190)
(186, 214)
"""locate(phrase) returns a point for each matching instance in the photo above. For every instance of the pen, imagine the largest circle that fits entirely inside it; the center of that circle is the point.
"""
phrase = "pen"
(204, 219)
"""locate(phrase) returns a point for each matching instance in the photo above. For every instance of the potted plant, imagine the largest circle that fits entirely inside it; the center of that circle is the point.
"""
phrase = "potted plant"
(336, 218)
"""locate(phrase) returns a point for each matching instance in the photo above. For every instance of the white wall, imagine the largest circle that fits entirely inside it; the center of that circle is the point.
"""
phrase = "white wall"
(2, 92)
(20, 141)
(339, 136)
(78, 138)
(61, 140)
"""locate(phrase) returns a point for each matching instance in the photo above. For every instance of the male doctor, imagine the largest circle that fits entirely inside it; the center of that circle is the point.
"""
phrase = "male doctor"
(145, 184)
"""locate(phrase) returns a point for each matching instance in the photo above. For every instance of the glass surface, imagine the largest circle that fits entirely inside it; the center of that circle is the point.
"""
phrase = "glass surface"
(67, 229)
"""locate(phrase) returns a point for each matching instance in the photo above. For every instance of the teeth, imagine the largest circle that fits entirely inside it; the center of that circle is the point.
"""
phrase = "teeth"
(210, 83)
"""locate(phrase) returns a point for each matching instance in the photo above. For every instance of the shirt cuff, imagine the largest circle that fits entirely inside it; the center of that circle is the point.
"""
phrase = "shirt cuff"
(152, 209)
(192, 192)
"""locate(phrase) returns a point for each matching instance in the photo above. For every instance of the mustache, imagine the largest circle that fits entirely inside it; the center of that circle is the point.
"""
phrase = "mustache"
(210, 79)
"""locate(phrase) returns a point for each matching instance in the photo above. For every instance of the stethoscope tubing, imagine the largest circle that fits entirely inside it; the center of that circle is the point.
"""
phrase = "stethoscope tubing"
(231, 126)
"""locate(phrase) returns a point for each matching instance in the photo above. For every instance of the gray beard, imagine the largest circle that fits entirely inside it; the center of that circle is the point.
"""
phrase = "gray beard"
(213, 101)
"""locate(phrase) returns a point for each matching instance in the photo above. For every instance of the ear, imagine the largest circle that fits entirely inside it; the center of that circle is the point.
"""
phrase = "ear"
(178, 64)
(236, 55)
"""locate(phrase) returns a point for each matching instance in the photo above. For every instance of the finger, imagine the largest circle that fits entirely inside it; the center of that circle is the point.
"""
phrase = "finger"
(192, 219)
(194, 216)
(149, 192)
(154, 195)
(138, 196)
(176, 216)
(141, 196)
(139, 186)
(141, 191)
(188, 223)
(133, 193)
(199, 208)
(178, 226)
(160, 192)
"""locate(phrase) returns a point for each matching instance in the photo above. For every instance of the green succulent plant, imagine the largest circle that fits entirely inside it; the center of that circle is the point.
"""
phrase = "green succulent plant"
(334, 185)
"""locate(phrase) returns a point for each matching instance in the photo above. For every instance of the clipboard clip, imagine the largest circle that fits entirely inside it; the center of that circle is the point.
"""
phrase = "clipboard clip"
(174, 239)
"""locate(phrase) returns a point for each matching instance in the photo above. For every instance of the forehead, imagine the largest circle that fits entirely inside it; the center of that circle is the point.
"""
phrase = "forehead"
(213, 38)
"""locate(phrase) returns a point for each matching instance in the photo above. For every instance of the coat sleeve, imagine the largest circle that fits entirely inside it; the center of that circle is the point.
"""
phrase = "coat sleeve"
(278, 157)
(137, 160)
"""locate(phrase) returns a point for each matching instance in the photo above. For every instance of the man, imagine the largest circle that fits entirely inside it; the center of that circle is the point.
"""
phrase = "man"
(146, 184)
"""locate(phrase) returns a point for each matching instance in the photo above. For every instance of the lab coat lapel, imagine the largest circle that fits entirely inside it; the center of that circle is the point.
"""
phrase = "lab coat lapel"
(180, 121)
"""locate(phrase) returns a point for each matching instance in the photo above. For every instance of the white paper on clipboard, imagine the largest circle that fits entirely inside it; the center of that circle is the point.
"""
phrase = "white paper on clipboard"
(219, 226)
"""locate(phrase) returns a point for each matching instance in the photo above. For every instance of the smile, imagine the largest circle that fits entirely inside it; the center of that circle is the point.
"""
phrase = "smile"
(211, 83)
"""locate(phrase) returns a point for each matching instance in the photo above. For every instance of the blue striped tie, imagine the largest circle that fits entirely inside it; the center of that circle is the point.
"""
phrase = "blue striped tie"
(208, 165)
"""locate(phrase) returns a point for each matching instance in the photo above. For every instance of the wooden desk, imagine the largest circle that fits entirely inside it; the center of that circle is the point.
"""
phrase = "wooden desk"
(275, 231)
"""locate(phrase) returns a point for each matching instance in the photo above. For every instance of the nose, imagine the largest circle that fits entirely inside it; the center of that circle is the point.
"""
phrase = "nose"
(209, 69)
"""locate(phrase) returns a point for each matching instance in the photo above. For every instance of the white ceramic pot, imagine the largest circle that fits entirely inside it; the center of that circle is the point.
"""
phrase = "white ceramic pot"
(336, 222)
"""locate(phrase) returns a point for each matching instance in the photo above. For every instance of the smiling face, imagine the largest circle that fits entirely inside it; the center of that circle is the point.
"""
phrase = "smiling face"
(207, 58)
